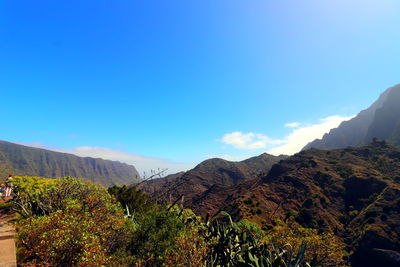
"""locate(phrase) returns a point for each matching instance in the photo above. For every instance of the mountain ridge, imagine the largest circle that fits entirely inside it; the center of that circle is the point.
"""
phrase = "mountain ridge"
(210, 173)
(24, 160)
(353, 193)
(368, 124)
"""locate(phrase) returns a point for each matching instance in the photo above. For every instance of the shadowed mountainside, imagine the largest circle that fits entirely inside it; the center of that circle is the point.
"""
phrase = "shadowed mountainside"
(22, 160)
(381, 120)
(353, 193)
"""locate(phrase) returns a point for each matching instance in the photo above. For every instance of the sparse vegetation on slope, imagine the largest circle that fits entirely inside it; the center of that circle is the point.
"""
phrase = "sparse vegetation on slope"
(352, 193)
(209, 176)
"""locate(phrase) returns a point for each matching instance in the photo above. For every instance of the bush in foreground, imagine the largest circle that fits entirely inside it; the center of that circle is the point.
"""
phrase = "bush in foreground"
(79, 224)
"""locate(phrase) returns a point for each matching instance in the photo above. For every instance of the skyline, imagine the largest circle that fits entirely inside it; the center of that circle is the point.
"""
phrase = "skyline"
(172, 84)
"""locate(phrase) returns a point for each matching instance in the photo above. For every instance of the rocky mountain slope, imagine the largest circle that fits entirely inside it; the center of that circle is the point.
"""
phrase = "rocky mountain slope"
(22, 160)
(353, 193)
(154, 185)
(210, 174)
(381, 120)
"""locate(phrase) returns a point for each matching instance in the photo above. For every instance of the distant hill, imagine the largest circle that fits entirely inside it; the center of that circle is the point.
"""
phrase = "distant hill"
(353, 193)
(209, 174)
(381, 120)
(22, 160)
(152, 186)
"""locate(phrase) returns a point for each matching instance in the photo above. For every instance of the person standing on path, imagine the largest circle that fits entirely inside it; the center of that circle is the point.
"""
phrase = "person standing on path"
(9, 186)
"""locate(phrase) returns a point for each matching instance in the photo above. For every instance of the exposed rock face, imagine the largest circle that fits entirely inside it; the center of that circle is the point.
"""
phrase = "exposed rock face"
(381, 120)
(386, 123)
(23, 160)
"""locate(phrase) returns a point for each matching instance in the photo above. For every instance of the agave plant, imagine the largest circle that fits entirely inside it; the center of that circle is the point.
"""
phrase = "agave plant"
(233, 247)
(131, 217)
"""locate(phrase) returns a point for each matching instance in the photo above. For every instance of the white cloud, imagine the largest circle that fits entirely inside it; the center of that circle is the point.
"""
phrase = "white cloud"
(293, 143)
(250, 140)
(300, 137)
(292, 124)
(141, 163)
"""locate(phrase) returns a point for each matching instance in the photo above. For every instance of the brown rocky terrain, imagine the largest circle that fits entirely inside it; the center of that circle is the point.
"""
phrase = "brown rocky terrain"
(353, 193)
(208, 175)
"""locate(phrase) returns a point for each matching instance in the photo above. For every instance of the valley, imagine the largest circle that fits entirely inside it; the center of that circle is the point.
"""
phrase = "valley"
(343, 187)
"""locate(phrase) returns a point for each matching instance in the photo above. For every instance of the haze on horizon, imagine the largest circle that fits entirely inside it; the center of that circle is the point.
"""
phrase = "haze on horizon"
(168, 84)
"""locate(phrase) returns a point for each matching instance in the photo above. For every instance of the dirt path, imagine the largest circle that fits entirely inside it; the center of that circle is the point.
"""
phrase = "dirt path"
(7, 243)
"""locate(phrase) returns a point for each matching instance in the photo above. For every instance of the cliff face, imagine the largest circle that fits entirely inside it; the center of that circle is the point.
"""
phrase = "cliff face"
(381, 120)
(386, 123)
(23, 160)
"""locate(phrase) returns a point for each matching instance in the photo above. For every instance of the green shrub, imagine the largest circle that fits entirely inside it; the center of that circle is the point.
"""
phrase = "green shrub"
(344, 171)
(131, 198)
(156, 234)
(81, 225)
(323, 249)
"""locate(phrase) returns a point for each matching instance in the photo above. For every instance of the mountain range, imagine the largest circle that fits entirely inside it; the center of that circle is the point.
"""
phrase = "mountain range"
(347, 184)
(381, 120)
(22, 160)
(353, 193)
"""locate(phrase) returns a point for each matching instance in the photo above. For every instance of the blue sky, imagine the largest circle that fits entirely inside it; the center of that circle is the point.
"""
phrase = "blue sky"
(171, 83)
